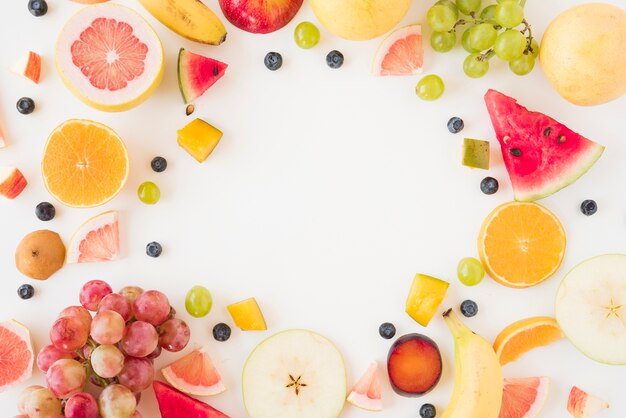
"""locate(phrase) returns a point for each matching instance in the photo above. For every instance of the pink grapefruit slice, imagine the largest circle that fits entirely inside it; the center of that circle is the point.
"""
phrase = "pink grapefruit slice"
(16, 354)
(109, 57)
(366, 394)
(195, 374)
(524, 397)
(400, 53)
(96, 240)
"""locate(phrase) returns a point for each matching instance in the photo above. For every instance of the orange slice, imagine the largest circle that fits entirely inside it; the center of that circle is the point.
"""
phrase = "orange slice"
(524, 397)
(85, 163)
(521, 244)
(525, 335)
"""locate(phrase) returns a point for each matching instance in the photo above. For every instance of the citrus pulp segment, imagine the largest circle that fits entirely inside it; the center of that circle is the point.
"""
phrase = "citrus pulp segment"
(525, 335)
(16, 354)
(98, 239)
(524, 397)
(400, 53)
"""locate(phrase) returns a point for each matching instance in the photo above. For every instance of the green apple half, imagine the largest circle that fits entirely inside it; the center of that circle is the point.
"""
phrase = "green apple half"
(295, 373)
(591, 308)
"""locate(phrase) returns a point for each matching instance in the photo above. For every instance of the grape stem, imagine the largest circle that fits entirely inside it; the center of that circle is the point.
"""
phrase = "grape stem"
(529, 37)
(486, 56)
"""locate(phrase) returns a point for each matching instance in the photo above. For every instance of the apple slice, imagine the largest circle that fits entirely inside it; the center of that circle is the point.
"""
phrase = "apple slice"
(582, 405)
(591, 308)
(29, 66)
(12, 182)
(295, 373)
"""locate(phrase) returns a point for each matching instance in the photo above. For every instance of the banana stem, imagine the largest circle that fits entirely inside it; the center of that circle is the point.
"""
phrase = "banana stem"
(456, 326)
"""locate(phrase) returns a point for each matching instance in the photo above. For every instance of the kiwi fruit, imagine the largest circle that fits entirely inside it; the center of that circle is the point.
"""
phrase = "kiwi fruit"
(40, 254)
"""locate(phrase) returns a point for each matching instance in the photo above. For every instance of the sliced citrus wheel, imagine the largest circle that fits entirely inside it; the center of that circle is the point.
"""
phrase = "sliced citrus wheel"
(85, 163)
(109, 57)
(366, 394)
(524, 397)
(521, 244)
(16, 354)
(195, 374)
(400, 53)
(524, 335)
(96, 240)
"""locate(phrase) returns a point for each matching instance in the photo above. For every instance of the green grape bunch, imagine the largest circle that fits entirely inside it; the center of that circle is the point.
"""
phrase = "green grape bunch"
(497, 30)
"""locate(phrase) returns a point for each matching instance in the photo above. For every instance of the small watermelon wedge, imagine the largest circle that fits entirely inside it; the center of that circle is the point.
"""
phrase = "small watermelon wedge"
(195, 374)
(175, 404)
(366, 394)
(542, 156)
(196, 73)
(524, 397)
(96, 240)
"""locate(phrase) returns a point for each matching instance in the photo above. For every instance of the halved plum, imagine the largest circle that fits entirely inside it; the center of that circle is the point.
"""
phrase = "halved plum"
(414, 365)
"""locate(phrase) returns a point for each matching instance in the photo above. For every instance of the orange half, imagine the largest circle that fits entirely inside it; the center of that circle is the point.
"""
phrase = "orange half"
(521, 244)
(85, 163)
(525, 335)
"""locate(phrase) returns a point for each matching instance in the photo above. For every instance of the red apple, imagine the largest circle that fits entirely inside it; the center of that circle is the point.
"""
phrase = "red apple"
(260, 16)
(12, 182)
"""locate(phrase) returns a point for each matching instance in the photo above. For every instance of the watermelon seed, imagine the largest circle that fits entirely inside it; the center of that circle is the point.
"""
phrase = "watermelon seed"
(561, 139)
(215, 71)
(516, 152)
(506, 139)
(547, 131)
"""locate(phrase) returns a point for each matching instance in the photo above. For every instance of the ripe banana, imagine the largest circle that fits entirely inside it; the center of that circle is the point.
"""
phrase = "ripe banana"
(189, 18)
(477, 373)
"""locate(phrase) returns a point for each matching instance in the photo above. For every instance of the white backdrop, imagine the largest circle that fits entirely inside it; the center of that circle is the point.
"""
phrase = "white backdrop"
(329, 190)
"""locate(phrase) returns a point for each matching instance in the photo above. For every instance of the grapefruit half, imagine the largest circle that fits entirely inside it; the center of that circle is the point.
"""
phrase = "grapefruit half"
(524, 397)
(400, 53)
(96, 240)
(16, 354)
(109, 57)
(366, 394)
(195, 374)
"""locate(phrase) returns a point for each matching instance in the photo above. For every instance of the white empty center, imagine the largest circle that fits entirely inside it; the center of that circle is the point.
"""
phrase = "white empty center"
(112, 57)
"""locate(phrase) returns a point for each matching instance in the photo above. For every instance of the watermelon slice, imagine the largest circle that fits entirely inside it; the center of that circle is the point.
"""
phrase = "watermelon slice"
(541, 155)
(196, 73)
(175, 404)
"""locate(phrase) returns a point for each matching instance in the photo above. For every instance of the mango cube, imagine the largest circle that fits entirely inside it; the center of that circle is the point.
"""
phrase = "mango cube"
(476, 153)
(199, 139)
(247, 315)
(424, 298)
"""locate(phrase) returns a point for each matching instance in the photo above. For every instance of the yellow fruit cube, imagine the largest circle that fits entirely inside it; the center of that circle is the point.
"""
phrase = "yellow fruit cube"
(199, 139)
(247, 315)
(425, 296)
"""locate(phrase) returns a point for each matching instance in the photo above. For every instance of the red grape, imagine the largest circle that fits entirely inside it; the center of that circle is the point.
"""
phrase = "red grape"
(69, 333)
(79, 312)
(137, 374)
(107, 327)
(21, 401)
(174, 334)
(117, 401)
(66, 378)
(49, 354)
(107, 361)
(92, 293)
(131, 293)
(42, 403)
(152, 307)
(140, 339)
(81, 405)
(116, 302)
(156, 353)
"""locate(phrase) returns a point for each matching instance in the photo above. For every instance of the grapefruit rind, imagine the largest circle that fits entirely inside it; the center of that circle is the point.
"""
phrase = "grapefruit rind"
(138, 89)
(401, 40)
(208, 368)
(22, 347)
(95, 225)
(516, 388)
(366, 393)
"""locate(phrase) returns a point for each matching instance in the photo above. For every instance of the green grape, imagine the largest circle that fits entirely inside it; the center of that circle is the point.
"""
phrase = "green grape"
(198, 301)
(523, 65)
(470, 271)
(468, 6)
(306, 35)
(482, 36)
(465, 41)
(509, 14)
(534, 48)
(430, 87)
(442, 17)
(509, 45)
(448, 3)
(442, 41)
(149, 193)
(474, 67)
(488, 12)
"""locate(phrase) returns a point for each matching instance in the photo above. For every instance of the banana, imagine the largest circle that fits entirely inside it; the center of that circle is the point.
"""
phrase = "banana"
(189, 18)
(477, 373)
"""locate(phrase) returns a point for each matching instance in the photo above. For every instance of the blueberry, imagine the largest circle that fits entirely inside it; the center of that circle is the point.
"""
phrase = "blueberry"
(154, 249)
(45, 211)
(428, 411)
(273, 61)
(158, 164)
(221, 332)
(455, 125)
(489, 185)
(387, 330)
(334, 59)
(38, 7)
(25, 106)
(589, 207)
(469, 308)
(25, 291)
